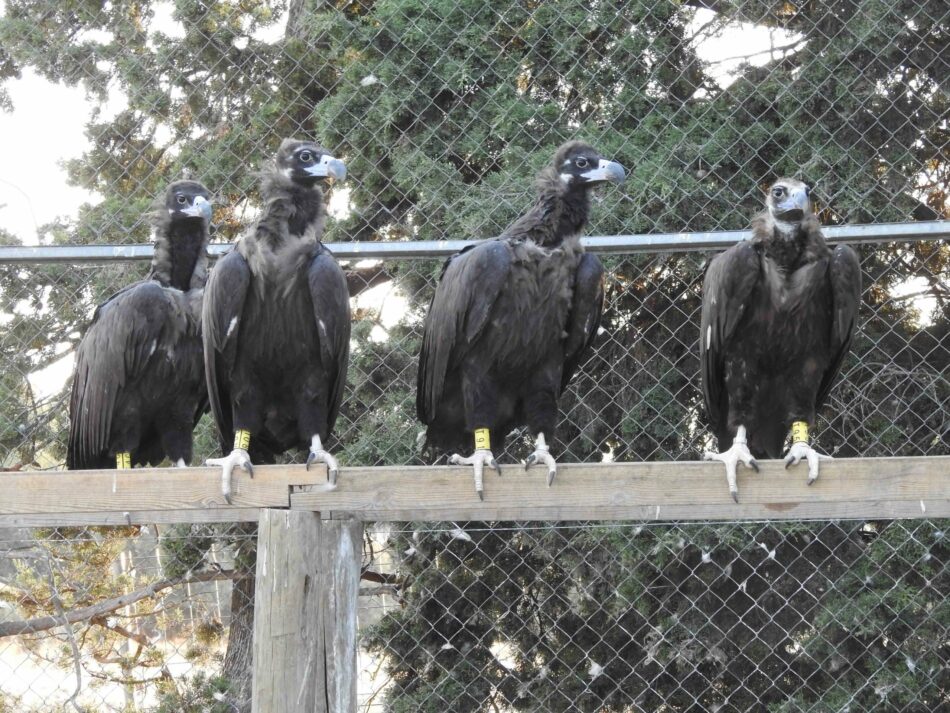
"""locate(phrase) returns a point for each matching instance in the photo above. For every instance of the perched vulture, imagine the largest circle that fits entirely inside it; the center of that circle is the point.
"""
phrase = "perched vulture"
(778, 314)
(138, 388)
(511, 321)
(277, 322)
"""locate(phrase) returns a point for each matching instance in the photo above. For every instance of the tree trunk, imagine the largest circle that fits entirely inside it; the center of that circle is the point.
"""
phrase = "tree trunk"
(238, 657)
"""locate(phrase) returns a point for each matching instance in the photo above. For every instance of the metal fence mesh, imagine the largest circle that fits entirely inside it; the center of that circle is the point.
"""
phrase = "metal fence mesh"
(149, 610)
(443, 112)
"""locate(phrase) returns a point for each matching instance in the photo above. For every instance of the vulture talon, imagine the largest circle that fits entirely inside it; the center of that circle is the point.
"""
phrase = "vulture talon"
(237, 457)
(319, 455)
(478, 460)
(801, 450)
(738, 453)
(542, 454)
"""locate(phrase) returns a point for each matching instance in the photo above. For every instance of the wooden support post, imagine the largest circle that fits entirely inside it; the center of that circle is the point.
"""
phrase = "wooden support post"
(340, 559)
(305, 614)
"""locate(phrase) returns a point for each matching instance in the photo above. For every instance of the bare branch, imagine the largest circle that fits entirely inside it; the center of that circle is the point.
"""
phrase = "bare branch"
(32, 626)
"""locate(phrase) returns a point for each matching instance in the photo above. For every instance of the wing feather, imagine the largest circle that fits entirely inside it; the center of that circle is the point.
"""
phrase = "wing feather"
(845, 274)
(220, 318)
(468, 288)
(116, 349)
(729, 281)
(587, 306)
(331, 311)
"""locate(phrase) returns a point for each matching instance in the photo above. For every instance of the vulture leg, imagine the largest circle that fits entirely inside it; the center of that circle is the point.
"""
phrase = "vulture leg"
(478, 460)
(180, 463)
(801, 450)
(318, 455)
(237, 457)
(542, 454)
(739, 453)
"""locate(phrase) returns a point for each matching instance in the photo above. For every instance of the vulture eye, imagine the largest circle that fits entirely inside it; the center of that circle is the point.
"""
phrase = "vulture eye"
(778, 191)
(181, 200)
(581, 162)
(306, 156)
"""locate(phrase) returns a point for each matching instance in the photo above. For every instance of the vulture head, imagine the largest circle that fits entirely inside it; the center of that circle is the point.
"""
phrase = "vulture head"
(789, 200)
(187, 200)
(580, 166)
(306, 163)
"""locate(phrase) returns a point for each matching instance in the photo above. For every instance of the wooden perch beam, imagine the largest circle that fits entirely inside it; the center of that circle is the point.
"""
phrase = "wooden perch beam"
(683, 490)
(145, 495)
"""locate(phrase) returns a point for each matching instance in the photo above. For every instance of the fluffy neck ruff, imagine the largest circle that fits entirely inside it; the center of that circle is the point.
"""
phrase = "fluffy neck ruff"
(560, 212)
(180, 258)
(290, 211)
(787, 243)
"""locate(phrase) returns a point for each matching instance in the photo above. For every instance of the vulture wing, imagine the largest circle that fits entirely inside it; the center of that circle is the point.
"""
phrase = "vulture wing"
(586, 309)
(331, 311)
(845, 275)
(220, 319)
(727, 286)
(124, 333)
(470, 283)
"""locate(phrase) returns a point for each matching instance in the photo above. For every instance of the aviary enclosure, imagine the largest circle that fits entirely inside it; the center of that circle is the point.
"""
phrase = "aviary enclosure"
(634, 583)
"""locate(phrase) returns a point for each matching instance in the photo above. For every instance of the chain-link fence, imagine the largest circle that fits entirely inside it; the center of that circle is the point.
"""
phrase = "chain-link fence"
(637, 397)
(124, 619)
(802, 616)
(443, 112)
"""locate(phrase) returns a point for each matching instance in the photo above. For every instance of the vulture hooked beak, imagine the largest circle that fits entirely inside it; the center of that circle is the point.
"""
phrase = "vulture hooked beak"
(201, 208)
(327, 167)
(605, 171)
(794, 205)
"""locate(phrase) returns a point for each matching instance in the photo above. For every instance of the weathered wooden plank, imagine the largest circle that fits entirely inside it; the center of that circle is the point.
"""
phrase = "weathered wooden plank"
(131, 517)
(105, 496)
(340, 559)
(849, 487)
(288, 615)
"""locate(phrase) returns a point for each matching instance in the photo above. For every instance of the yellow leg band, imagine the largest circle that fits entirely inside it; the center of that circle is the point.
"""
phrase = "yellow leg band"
(482, 441)
(799, 432)
(242, 439)
(123, 461)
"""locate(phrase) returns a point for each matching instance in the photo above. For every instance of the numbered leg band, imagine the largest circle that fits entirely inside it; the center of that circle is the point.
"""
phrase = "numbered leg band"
(799, 432)
(123, 461)
(242, 439)
(482, 440)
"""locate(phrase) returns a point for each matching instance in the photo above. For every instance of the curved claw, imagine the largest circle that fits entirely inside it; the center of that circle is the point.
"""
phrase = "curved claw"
(551, 474)
(237, 457)
(531, 460)
(738, 453)
(478, 460)
(332, 474)
(802, 451)
(311, 458)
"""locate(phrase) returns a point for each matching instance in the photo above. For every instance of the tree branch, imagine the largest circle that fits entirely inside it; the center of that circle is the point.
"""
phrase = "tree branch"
(32, 626)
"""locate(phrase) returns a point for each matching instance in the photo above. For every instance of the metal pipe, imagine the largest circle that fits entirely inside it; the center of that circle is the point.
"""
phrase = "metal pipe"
(659, 242)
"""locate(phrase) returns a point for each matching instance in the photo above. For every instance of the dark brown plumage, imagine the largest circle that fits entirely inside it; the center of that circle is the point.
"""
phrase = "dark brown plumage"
(277, 320)
(138, 385)
(778, 315)
(512, 317)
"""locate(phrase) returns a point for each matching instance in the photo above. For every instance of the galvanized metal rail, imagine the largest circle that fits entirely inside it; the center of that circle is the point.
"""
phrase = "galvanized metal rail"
(658, 242)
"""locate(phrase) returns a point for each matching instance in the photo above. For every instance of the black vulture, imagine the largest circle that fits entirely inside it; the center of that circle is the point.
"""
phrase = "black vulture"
(138, 388)
(779, 311)
(277, 322)
(511, 320)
